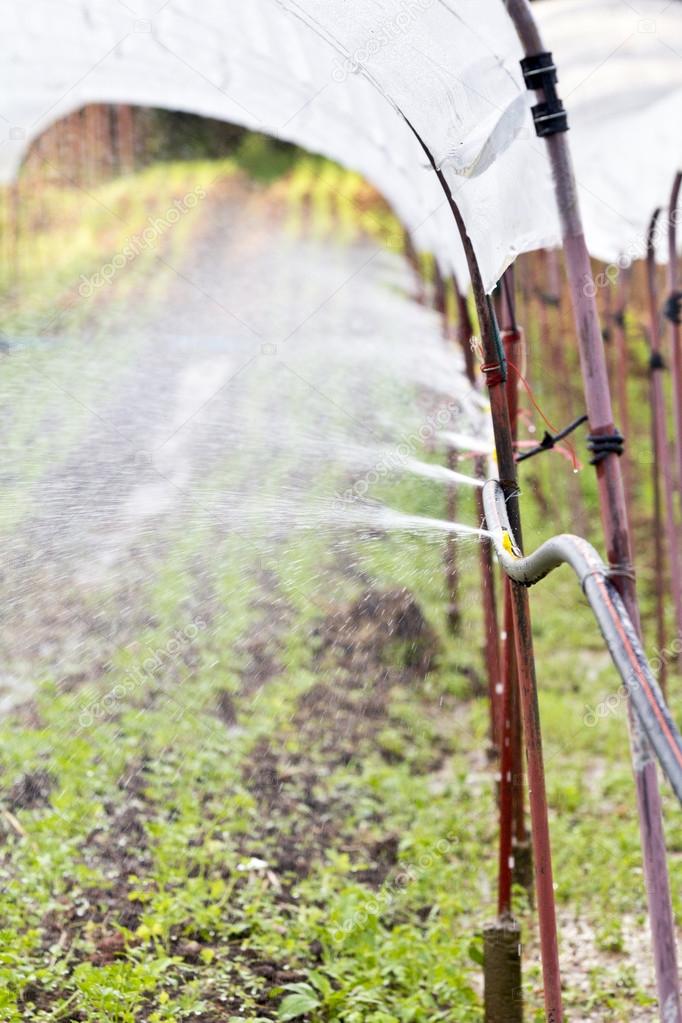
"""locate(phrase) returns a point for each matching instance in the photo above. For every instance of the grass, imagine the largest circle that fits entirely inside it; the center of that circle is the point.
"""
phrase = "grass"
(185, 839)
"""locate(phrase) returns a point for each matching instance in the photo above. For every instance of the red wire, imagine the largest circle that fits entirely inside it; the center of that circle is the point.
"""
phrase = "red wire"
(529, 391)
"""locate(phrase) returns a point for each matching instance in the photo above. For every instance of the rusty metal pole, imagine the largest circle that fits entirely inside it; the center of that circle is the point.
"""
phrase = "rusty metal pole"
(465, 332)
(674, 307)
(509, 703)
(662, 462)
(495, 374)
(655, 366)
(491, 645)
(525, 660)
(491, 629)
(506, 814)
(521, 851)
(623, 372)
(613, 508)
(454, 614)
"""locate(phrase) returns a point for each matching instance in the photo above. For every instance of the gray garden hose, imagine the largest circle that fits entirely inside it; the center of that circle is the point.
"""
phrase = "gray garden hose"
(613, 619)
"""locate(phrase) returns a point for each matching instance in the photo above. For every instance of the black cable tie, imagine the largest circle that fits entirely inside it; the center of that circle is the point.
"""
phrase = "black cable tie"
(656, 361)
(540, 74)
(622, 570)
(550, 440)
(604, 444)
(672, 310)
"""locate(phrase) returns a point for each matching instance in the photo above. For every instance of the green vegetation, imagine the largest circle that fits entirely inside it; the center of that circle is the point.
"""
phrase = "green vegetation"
(274, 821)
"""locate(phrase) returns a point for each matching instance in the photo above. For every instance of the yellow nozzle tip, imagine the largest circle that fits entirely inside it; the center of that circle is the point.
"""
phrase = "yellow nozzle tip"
(509, 545)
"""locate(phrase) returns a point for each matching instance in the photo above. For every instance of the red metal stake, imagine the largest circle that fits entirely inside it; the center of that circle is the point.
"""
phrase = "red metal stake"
(544, 881)
(515, 862)
(524, 643)
(454, 615)
(495, 380)
(662, 462)
(513, 341)
(615, 522)
(675, 333)
(491, 645)
(507, 761)
(491, 630)
(623, 373)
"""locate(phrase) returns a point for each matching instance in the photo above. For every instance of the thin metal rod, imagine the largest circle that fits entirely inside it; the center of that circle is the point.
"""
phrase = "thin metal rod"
(525, 658)
(491, 631)
(452, 579)
(506, 830)
(512, 818)
(662, 460)
(465, 332)
(623, 374)
(544, 882)
(615, 523)
(675, 332)
(658, 554)
(454, 614)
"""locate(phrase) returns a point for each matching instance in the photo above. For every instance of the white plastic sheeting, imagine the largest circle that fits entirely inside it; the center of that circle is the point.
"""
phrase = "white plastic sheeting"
(249, 64)
(620, 67)
(450, 66)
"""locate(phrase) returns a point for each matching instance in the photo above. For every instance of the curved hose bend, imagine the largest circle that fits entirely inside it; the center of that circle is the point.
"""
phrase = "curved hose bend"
(613, 620)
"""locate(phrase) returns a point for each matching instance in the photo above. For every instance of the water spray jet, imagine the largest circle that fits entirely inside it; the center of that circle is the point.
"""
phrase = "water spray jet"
(441, 473)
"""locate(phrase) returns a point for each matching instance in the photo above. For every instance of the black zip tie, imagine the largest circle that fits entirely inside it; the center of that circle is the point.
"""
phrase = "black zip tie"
(604, 444)
(540, 74)
(622, 570)
(549, 440)
(656, 361)
(672, 310)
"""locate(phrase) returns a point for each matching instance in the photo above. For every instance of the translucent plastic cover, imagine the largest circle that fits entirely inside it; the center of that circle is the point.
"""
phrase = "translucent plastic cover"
(620, 68)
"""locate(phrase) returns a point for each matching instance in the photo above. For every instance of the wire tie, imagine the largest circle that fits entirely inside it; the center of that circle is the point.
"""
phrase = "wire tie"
(672, 310)
(604, 444)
